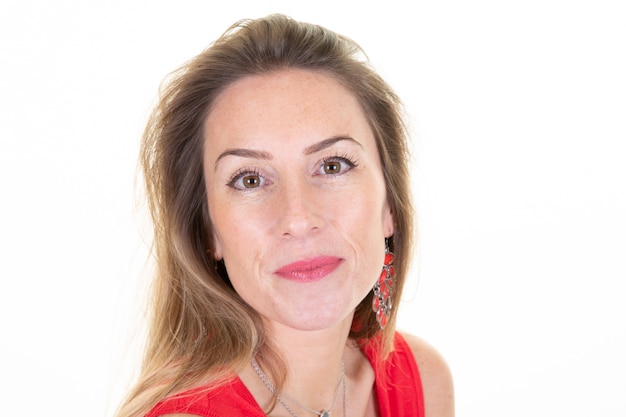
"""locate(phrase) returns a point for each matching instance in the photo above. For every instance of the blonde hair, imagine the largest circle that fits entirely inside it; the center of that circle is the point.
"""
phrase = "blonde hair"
(201, 331)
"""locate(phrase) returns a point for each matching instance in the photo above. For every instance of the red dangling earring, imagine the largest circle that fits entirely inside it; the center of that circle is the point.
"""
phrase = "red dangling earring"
(383, 289)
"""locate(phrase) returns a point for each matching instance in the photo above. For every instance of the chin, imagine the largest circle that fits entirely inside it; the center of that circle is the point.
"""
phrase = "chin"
(317, 322)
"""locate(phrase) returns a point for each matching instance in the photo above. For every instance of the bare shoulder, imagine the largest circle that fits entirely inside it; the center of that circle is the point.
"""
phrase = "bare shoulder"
(436, 377)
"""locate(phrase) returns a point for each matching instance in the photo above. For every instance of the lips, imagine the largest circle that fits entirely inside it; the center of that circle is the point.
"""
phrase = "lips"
(309, 270)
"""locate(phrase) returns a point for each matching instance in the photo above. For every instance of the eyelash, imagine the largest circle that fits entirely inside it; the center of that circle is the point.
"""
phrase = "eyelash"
(345, 158)
(253, 172)
(240, 174)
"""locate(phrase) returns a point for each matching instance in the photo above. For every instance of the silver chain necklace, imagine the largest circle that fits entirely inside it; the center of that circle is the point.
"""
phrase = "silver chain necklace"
(324, 413)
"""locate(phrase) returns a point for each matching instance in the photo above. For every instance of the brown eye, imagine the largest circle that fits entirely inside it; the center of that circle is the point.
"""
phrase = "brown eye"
(248, 180)
(336, 165)
(332, 167)
(251, 181)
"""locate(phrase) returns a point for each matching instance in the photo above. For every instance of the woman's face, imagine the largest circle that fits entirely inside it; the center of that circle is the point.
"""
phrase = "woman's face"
(296, 196)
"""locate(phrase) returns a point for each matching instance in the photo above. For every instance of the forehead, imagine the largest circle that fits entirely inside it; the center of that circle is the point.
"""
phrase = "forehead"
(287, 103)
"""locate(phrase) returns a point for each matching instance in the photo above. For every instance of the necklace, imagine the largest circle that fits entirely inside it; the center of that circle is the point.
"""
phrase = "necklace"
(324, 413)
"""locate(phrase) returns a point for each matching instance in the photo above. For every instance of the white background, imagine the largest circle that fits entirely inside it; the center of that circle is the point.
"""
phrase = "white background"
(518, 110)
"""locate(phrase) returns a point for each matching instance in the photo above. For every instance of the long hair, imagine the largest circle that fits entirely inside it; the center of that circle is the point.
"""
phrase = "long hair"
(201, 331)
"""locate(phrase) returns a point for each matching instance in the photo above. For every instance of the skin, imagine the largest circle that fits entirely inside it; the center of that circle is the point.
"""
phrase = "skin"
(293, 174)
(262, 134)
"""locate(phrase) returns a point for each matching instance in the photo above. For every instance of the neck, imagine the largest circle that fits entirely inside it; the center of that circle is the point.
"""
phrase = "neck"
(313, 361)
(313, 358)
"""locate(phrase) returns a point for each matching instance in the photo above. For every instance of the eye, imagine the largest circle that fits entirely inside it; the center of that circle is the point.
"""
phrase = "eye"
(247, 180)
(251, 181)
(337, 165)
(332, 167)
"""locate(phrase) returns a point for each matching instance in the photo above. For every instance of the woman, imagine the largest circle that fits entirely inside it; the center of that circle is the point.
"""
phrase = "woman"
(276, 170)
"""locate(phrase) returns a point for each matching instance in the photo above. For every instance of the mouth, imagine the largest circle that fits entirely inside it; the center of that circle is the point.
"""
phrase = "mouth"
(309, 270)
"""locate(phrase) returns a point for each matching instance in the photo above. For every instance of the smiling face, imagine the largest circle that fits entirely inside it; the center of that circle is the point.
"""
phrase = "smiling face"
(296, 196)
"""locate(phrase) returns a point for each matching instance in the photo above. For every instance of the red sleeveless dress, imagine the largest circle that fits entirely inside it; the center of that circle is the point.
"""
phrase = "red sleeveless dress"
(398, 388)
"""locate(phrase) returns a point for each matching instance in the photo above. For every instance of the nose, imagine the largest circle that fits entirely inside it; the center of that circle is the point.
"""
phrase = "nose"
(299, 204)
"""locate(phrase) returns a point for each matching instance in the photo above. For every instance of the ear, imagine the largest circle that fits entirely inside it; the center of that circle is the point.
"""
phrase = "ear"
(388, 220)
(217, 247)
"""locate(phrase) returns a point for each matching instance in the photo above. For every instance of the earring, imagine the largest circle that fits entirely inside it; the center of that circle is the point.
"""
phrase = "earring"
(383, 289)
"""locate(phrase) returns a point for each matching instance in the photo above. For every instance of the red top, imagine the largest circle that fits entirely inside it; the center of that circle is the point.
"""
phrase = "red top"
(398, 388)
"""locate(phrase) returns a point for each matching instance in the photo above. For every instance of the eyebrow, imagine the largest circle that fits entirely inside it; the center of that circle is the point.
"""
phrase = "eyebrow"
(256, 154)
(244, 153)
(327, 143)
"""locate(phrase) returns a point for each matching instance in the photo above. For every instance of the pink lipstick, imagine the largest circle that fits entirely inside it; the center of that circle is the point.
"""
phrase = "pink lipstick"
(309, 270)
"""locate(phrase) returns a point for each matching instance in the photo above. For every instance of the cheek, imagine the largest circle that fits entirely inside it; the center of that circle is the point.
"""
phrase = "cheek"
(366, 209)
(225, 228)
(365, 222)
(236, 231)
(216, 220)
